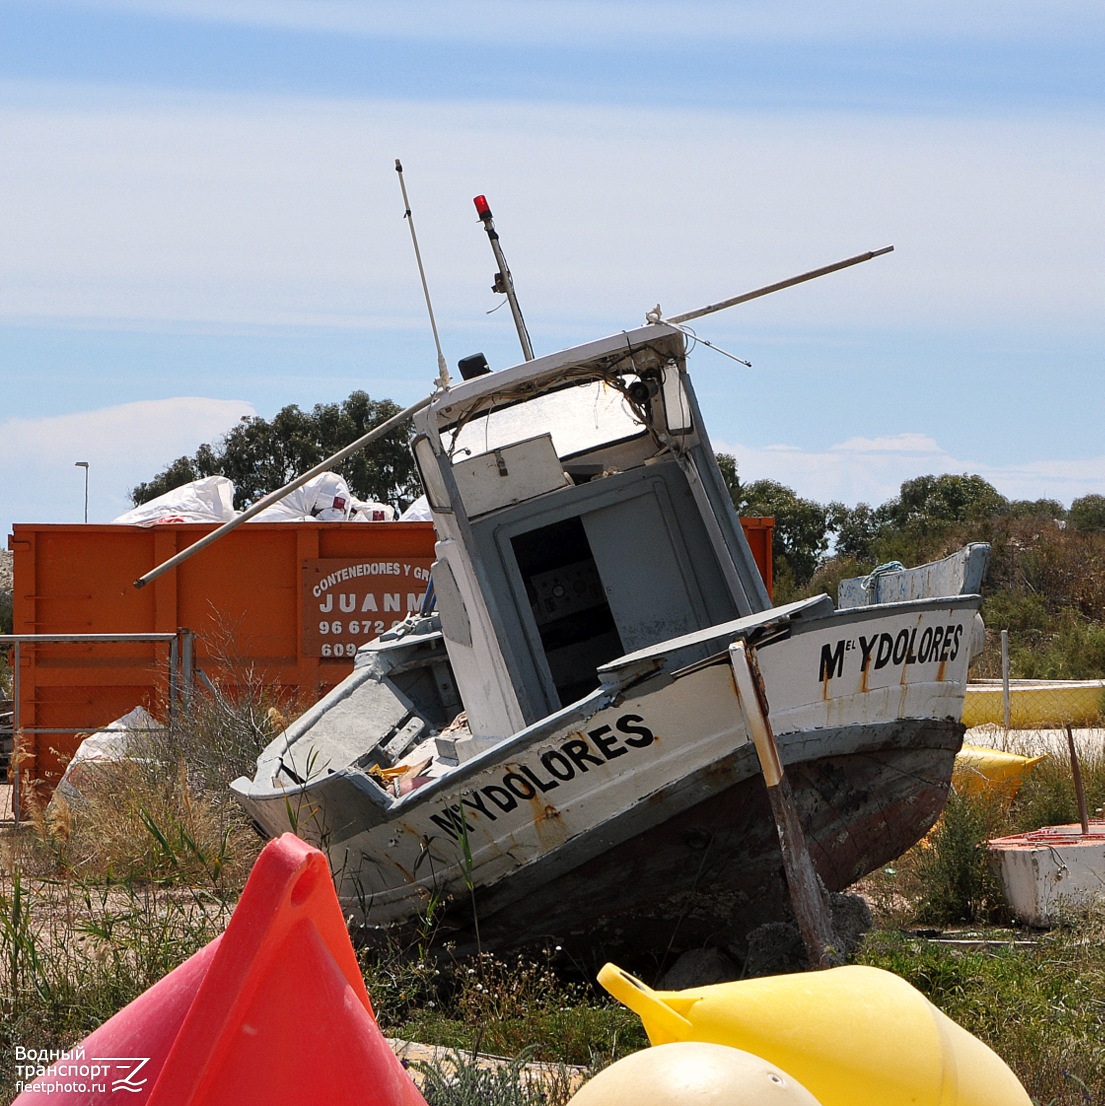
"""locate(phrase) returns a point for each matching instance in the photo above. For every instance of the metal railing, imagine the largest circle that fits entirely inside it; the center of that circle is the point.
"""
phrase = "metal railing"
(181, 674)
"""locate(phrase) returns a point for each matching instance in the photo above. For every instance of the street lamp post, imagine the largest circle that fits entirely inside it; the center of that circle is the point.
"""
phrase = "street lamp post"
(84, 465)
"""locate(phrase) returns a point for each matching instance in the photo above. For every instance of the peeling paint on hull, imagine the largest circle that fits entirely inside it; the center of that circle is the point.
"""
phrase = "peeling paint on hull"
(713, 873)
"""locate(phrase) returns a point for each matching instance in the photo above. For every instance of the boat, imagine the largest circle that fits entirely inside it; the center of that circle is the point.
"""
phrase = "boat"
(555, 747)
(583, 735)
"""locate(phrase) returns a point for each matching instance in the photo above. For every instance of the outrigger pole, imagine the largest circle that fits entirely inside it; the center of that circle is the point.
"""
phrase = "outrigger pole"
(655, 315)
(504, 282)
(280, 493)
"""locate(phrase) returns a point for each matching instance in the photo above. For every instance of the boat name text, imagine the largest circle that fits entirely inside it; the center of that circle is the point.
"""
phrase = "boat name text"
(570, 759)
(937, 644)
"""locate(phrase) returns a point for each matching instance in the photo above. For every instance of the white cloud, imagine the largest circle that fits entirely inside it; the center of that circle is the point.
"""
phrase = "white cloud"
(253, 210)
(872, 470)
(123, 445)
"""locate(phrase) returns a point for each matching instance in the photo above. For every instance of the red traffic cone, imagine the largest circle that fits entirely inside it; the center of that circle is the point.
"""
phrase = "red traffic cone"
(273, 1012)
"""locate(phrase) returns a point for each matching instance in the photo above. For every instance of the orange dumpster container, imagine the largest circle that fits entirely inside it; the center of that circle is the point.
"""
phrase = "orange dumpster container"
(286, 602)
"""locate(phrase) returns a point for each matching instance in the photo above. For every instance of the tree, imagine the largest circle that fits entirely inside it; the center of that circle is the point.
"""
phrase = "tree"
(856, 528)
(1044, 509)
(800, 536)
(946, 498)
(728, 465)
(1087, 514)
(260, 456)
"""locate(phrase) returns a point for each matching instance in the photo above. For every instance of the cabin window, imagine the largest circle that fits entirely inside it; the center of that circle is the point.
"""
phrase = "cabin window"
(579, 418)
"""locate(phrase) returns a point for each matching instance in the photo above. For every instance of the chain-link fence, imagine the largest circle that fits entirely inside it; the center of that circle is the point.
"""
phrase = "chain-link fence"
(1035, 704)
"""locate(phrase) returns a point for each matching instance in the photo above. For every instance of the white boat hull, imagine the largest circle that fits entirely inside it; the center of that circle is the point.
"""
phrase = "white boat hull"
(644, 801)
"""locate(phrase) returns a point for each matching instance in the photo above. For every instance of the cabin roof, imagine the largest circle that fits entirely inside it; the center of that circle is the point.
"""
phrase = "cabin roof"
(543, 371)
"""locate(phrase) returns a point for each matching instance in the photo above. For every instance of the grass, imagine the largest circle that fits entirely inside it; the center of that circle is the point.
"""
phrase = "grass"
(1040, 1006)
(460, 1079)
(165, 813)
(73, 952)
(106, 890)
(104, 895)
(509, 1006)
(1036, 997)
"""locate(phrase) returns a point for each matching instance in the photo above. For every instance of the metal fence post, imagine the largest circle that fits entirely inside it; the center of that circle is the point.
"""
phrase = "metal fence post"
(174, 665)
(187, 664)
(16, 726)
(1006, 705)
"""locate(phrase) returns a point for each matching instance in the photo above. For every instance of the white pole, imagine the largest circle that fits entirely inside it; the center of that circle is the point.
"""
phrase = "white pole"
(84, 465)
(443, 380)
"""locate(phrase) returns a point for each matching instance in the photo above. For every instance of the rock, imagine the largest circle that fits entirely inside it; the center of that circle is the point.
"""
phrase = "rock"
(699, 968)
(851, 920)
(777, 948)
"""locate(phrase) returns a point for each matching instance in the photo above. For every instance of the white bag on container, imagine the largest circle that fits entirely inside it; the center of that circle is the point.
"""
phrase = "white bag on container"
(324, 498)
(418, 511)
(208, 500)
(371, 512)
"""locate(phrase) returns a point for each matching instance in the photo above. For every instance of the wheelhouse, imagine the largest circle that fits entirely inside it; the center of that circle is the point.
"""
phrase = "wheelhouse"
(581, 516)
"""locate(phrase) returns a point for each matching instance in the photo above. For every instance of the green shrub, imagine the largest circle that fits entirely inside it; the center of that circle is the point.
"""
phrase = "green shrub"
(462, 1080)
(954, 879)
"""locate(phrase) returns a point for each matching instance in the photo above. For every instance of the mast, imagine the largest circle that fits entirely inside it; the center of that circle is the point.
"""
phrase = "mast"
(442, 372)
(504, 282)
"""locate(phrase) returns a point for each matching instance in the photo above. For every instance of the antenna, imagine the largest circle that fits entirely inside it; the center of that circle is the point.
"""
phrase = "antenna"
(504, 282)
(443, 380)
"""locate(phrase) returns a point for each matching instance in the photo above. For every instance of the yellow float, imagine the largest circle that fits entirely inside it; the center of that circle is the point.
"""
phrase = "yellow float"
(1035, 704)
(978, 769)
(852, 1036)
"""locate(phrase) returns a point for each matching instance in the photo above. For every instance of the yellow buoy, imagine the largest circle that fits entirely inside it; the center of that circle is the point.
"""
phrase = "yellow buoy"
(980, 769)
(852, 1035)
(692, 1073)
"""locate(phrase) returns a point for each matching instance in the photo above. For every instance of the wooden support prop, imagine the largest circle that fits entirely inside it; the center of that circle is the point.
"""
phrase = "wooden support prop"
(805, 891)
(1079, 791)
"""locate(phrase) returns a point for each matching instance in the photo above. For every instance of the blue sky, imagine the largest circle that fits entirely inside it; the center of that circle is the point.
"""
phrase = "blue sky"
(201, 220)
